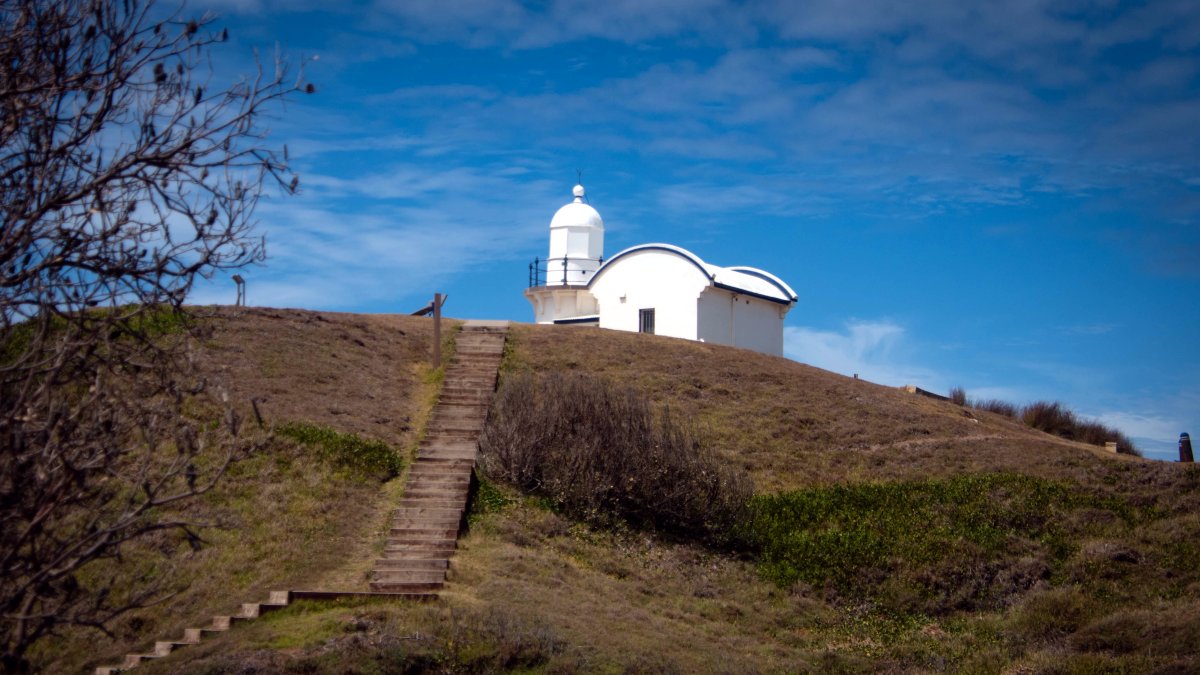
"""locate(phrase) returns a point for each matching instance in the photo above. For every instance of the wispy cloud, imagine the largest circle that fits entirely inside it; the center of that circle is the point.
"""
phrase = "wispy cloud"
(1089, 329)
(413, 229)
(1141, 425)
(873, 350)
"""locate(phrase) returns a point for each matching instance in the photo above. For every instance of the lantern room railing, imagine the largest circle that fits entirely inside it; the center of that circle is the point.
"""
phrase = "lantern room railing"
(564, 271)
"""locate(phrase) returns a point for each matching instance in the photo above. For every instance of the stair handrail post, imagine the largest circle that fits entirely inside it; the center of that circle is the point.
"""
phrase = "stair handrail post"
(438, 299)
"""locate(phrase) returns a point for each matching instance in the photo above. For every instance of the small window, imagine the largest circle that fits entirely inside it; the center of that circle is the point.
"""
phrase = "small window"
(645, 320)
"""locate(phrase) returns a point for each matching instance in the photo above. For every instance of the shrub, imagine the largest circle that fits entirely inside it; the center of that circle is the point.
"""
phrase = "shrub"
(996, 406)
(1055, 418)
(958, 396)
(1052, 418)
(598, 452)
(348, 451)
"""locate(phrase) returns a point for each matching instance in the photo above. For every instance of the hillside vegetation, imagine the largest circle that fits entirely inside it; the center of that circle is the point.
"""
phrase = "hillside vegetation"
(338, 391)
(889, 532)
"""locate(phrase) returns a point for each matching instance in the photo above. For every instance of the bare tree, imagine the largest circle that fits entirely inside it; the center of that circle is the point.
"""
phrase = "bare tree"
(124, 175)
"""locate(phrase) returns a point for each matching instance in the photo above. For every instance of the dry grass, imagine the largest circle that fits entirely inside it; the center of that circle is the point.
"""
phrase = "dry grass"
(284, 518)
(532, 590)
(791, 425)
(359, 374)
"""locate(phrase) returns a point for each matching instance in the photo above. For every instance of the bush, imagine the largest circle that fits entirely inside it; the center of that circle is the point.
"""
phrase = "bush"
(996, 406)
(1055, 418)
(1052, 418)
(958, 396)
(598, 452)
(348, 451)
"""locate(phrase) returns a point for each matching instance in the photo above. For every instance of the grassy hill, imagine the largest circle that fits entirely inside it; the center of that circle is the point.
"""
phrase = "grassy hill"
(916, 535)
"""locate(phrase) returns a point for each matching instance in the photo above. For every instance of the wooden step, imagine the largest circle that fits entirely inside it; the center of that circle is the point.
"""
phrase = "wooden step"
(418, 588)
(408, 576)
(412, 564)
(424, 533)
(432, 548)
(459, 483)
(419, 595)
(443, 463)
(226, 622)
(431, 513)
(465, 451)
(416, 554)
(437, 473)
(437, 501)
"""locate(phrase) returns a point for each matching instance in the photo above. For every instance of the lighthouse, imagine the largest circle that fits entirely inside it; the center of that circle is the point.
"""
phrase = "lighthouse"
(558, 285)
(576, 243)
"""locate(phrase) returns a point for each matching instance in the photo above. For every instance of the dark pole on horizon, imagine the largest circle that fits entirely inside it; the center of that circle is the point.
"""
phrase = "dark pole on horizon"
(1185, 448)
(241, 291)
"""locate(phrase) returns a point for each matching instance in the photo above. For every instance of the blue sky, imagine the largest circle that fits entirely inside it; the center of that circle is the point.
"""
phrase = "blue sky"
(1000, 196)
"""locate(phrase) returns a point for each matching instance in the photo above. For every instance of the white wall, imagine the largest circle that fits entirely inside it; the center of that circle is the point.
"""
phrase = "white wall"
(551, 304)
(730, 318)
(581, 247)
(651, 279)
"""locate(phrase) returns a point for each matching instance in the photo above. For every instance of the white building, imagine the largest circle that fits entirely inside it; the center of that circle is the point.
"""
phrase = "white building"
(653, 288)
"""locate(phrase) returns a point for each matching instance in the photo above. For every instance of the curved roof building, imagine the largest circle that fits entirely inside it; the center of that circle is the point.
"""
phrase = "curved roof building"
(653, 288)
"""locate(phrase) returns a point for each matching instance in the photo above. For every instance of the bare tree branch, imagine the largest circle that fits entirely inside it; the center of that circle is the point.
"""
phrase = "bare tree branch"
(124, 175)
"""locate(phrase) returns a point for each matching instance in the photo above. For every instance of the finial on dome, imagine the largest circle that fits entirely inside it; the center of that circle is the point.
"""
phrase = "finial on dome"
(578, 191)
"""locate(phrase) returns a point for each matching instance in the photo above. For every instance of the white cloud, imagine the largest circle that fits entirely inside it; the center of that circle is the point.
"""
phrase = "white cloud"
(1014, 395)
(871, 349)
(1140, 425)
(403, 230)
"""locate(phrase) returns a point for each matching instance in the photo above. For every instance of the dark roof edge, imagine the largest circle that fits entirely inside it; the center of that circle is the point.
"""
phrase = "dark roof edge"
(742, 291)
(578, 319)
(769, 278)
(682, 253)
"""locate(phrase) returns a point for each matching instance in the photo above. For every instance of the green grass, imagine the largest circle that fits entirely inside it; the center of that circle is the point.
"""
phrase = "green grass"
(961, 543)
(488, 498)
(144, 322)
(348, 451)
(365, 636)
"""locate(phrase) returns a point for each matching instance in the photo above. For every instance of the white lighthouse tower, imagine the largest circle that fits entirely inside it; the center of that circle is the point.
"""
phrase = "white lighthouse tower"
(558, 285)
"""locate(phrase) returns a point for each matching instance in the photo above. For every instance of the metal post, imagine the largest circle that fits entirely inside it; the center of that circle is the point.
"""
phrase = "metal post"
(438, 299)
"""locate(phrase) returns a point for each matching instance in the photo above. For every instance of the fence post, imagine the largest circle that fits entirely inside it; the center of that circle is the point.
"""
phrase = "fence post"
(438, 299)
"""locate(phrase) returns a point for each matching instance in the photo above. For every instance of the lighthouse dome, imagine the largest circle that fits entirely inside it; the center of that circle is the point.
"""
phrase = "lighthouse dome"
(577, 214)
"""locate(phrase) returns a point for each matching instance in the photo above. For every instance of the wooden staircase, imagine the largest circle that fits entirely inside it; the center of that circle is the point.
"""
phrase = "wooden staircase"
(425, 526)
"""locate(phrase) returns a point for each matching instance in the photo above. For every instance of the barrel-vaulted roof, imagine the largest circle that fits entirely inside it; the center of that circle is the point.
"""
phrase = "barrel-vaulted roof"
(741, 279)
